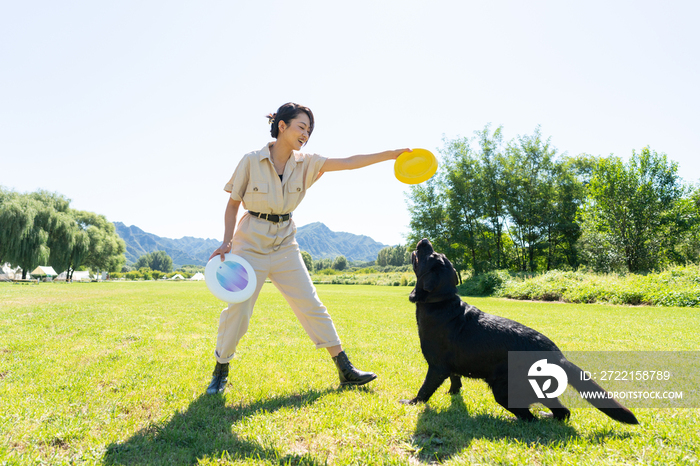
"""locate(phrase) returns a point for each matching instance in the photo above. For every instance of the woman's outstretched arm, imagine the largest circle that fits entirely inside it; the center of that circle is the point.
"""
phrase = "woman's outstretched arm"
(359, 161)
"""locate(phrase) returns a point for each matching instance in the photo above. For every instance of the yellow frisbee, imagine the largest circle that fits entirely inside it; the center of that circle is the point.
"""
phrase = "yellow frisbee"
(415, 167)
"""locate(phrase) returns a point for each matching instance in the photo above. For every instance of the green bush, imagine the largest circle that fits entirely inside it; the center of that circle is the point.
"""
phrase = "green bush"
(133, 275)
(678, 286)
(408, 279)
(394, 268)
(485, 283)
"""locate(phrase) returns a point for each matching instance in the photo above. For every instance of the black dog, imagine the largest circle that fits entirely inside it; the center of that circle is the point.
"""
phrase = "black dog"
(459, 340)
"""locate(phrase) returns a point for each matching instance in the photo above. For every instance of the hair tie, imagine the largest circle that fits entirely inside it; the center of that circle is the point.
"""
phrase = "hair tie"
(271, 117)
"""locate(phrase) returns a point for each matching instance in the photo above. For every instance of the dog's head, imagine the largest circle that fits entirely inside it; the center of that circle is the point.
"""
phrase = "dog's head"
(436, 279)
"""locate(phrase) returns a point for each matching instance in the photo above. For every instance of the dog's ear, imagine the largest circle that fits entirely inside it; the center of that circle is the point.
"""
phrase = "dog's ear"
(426, 265)
(426, 280)
(432, 277)
(430, 281)
(429, 276)
(455, 279)
(420, 293)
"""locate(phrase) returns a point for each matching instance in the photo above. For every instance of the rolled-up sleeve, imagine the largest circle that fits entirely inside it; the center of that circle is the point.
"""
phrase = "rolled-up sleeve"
(313, 164)
(239, 180)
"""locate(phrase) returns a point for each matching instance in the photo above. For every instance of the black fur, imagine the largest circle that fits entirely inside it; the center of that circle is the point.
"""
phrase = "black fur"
(459, 340)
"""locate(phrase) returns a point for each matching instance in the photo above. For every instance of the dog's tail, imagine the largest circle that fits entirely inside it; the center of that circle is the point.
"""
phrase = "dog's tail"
(596, 395)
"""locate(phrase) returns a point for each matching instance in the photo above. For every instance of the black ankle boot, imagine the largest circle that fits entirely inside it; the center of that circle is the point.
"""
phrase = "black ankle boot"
(219, 379)
(348, 374)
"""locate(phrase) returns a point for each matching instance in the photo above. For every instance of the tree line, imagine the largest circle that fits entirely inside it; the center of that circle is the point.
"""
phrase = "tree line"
(338, 263)
(520, 205)
(40, 228)
(394, 255)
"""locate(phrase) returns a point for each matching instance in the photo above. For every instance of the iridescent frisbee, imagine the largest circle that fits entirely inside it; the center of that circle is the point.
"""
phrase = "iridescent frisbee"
(231, 280)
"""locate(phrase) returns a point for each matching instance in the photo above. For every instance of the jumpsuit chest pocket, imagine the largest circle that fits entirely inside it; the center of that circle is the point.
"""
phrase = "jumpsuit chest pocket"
(257, 187)
(295, 190)
(256, 196)
(294, 187)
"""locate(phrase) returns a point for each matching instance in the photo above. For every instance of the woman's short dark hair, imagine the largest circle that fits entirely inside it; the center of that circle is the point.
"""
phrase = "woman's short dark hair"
(287, 113)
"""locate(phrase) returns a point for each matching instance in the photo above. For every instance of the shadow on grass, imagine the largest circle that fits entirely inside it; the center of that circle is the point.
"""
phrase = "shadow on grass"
(204, 430)
(441, 435)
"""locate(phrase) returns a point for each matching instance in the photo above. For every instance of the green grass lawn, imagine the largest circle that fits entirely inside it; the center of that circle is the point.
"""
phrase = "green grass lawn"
(113, 373)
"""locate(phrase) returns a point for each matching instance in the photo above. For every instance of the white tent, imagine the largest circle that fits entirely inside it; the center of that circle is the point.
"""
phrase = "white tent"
(44, 271)
(81, 276)
(177, 277)
(198, 276)
(78, 276)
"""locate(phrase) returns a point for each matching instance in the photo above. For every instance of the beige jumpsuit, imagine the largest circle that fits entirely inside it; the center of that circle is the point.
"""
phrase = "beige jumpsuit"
(271, 248)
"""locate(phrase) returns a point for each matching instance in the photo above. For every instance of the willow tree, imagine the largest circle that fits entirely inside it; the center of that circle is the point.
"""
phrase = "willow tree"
(22, 234)
(40, 228)
(105, 249)
(81, 246)
(61, 241)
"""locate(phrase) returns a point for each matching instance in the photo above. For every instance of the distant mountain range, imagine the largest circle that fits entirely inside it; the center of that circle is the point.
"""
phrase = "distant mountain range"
(183, 251)
(314, 238)
(322, 243)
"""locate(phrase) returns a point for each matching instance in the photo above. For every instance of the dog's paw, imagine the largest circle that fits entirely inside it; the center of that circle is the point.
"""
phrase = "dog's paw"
(408, 402)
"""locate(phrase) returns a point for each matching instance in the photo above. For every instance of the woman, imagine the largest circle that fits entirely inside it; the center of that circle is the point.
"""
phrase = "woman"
(271, 183)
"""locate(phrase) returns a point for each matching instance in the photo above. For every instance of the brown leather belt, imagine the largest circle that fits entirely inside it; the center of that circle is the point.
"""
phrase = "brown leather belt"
(274, 218)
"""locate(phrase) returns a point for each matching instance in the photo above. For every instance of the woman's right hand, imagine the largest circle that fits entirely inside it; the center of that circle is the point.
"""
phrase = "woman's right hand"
(222, 251)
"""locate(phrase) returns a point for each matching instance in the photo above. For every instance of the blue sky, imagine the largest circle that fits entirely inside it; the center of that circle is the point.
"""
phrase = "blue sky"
(141, 110)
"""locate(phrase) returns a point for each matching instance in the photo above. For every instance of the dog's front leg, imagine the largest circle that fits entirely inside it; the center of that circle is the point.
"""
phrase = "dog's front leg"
(433, 379)
(455, 384)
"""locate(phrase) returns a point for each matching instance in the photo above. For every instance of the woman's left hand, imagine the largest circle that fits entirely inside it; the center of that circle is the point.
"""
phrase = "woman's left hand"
(395, 153)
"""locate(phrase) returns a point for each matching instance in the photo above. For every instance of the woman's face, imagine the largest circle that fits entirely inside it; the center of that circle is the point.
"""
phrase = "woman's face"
(297, 133)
